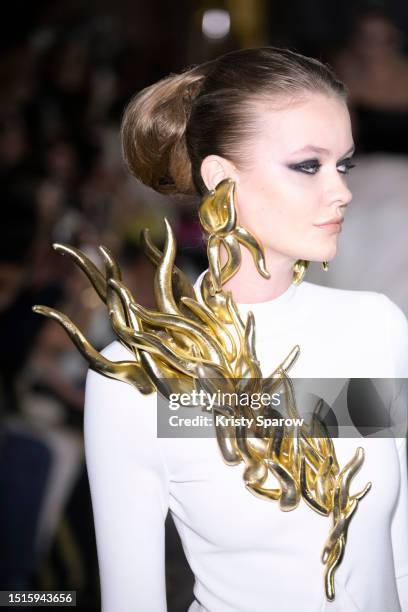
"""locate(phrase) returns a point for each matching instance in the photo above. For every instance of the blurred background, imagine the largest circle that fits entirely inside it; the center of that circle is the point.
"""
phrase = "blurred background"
(67, 70)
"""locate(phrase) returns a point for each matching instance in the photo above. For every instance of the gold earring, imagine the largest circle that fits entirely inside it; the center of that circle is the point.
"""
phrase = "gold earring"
(299, 270)
(218, 217)
(300, 267)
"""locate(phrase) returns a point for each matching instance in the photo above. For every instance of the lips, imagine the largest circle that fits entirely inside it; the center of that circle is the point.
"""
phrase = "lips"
(330, 222)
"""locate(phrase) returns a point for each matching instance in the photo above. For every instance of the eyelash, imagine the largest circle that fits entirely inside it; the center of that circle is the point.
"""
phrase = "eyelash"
(314, 164)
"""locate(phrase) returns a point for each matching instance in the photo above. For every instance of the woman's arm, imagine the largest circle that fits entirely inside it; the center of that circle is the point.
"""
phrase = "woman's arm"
(129, 490)
(397, 330)
(399, 528)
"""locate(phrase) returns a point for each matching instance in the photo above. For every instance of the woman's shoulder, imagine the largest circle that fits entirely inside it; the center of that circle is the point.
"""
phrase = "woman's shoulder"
(115, 401)
(116, 351)
(118, 419)
(356, 299)
(366, 307)
(365, 314)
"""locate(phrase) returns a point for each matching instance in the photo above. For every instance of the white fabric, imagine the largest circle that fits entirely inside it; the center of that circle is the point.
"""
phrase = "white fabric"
(246, 554)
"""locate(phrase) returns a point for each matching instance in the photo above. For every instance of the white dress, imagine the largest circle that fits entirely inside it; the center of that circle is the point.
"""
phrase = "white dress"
(246, 554)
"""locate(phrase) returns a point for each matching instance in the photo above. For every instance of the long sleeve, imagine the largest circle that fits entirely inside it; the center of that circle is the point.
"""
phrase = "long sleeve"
(398, 343)
(397, 332)
(399, 528)
(129, 490)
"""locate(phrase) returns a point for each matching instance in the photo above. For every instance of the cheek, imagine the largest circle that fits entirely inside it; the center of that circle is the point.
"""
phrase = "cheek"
(277, 205)
(279, 208)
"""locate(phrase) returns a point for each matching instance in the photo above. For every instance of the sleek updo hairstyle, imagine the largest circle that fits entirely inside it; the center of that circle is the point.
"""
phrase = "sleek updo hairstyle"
(171, 126)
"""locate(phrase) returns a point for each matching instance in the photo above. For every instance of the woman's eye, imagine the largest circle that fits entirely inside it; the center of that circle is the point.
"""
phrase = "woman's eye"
(312, 166)
(345, 166)
(308, 167)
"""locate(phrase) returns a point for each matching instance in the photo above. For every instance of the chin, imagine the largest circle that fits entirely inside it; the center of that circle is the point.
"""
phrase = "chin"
(323, 255)
(329, 251)
(331, 254)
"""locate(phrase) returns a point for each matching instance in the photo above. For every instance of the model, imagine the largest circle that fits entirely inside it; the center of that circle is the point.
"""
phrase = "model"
(264, 137)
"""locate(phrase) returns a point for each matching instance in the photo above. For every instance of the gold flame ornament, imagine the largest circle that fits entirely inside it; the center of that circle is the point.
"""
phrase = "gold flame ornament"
(200, 342)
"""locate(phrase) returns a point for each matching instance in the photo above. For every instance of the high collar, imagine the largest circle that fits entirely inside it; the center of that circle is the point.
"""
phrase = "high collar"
(280, 305)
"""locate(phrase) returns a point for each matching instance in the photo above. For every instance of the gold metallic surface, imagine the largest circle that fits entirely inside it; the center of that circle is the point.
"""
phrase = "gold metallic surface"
(300, 267)
(200, 342)
(299, 271)
(218, 217)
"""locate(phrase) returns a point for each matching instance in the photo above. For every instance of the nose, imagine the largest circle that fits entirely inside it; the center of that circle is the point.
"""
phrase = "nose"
(338, 192)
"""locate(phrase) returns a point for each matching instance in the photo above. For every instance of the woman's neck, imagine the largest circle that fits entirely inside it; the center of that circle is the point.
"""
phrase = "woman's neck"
(249, 287)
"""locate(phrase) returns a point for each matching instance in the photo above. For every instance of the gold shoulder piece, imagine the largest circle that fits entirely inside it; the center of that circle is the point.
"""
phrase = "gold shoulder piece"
(199, 342)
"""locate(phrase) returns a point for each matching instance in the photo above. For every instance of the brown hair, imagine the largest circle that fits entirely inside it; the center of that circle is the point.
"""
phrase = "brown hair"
(171, 126)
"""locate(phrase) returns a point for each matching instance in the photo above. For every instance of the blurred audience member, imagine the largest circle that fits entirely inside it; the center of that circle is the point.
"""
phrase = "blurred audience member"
(20, 287)
(24, 461)
(54, 377)
(376, 73)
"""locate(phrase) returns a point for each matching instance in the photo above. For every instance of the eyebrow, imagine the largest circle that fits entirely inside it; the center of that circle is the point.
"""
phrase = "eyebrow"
(315, 149)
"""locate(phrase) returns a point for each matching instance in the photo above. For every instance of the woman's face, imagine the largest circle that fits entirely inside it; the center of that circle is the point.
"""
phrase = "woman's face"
(294, 195)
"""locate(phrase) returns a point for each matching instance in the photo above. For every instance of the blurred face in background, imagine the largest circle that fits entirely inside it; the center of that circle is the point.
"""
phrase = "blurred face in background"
(376, 38)
(293, 196)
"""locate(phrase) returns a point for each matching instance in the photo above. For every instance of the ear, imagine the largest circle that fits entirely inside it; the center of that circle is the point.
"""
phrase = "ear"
(214, 169)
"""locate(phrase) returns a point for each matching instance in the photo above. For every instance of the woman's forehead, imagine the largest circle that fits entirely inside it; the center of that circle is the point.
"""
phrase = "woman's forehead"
(318, 121)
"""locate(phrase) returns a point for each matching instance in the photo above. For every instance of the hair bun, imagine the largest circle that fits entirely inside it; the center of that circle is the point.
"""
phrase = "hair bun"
(153, 132)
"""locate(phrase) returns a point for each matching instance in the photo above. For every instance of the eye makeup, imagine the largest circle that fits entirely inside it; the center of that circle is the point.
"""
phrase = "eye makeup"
(347, 163)
(312, 166)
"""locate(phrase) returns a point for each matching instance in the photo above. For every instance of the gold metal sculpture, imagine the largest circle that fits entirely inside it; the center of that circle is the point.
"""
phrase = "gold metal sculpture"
(200, 342)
